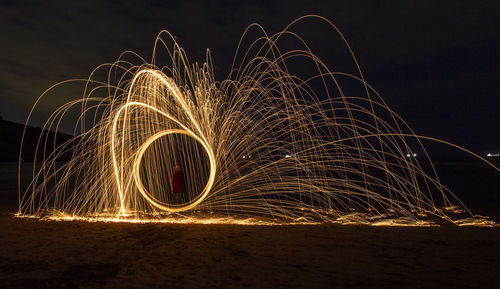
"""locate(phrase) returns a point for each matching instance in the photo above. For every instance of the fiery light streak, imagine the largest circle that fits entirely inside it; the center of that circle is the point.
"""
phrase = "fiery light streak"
(263, 146)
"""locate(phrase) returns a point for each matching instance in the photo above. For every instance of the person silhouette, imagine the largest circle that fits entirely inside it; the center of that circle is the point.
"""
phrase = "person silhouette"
(178, 185)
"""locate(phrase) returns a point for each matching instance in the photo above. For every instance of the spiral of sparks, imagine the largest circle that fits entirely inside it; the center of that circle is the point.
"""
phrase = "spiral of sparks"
(265, 145)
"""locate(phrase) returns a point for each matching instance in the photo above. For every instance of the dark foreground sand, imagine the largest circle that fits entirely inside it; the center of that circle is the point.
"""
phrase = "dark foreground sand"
(41, 254)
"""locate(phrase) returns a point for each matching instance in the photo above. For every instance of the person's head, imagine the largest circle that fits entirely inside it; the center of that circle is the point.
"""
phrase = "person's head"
(177, 168)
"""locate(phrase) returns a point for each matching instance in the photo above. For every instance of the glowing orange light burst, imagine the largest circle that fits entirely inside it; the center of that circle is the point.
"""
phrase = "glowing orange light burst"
(265, 146)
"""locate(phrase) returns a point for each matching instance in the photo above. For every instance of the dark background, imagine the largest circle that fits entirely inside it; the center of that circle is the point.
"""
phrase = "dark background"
(434, 62)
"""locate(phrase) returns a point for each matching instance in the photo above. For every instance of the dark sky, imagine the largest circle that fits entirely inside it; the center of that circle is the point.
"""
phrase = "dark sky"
(435, 62)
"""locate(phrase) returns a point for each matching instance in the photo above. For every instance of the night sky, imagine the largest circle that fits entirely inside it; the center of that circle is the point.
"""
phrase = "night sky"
(434, 62)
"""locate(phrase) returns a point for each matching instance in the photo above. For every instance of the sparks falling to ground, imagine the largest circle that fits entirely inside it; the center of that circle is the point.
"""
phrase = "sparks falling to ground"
(271, 144)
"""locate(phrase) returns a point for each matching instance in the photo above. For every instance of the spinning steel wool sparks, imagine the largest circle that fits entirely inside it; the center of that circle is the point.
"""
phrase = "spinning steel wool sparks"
(273, 143)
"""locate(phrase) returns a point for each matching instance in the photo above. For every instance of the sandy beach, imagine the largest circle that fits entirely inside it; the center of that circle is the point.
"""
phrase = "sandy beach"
(77, 254)
(44, 254)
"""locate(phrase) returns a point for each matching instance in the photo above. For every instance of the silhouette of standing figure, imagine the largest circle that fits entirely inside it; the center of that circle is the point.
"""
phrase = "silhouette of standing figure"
(178, 185)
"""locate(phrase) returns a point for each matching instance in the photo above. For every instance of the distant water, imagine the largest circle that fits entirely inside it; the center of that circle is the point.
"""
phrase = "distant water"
(473, 181)
(476, 184)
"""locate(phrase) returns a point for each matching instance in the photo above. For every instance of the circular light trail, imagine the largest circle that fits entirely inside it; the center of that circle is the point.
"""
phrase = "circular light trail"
(172, 207)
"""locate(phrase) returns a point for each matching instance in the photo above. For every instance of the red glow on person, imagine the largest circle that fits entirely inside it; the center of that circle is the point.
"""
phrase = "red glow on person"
(178, 185)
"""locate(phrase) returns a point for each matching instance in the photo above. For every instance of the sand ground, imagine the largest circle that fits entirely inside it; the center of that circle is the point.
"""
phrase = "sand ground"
(43, 254)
